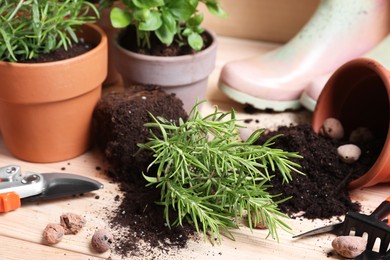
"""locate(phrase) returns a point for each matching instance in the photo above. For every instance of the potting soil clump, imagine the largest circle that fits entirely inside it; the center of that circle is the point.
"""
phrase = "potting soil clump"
(322, 192)
(119, 120)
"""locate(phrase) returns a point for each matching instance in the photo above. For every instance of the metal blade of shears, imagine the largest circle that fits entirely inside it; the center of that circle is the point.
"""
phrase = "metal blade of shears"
(58, 185)
(333, 228)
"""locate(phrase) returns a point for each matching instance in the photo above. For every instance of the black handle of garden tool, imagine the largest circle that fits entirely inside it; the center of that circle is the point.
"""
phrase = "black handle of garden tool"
(383, 210)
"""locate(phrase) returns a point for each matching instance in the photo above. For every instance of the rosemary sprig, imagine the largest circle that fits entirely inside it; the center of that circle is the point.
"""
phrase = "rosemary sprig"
(32, 27)
(210, 177)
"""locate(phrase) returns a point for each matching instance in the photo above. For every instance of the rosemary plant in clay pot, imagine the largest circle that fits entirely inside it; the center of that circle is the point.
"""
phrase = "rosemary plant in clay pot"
(53, 63)
(163, 43)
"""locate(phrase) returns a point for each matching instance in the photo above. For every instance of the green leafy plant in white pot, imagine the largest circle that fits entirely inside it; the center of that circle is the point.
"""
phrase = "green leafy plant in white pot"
(163, 43)
(46, 103)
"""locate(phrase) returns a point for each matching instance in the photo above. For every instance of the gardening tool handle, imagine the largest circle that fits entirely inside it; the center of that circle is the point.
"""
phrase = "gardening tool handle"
(383, 210)
(9, 201)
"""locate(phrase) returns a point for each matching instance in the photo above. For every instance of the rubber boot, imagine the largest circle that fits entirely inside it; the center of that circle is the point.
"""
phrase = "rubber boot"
(309, 97)
(337, 32)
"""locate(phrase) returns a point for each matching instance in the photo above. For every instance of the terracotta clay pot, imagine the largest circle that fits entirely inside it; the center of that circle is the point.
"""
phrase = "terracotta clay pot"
(46, 108)
(186, 75)
(358, 94)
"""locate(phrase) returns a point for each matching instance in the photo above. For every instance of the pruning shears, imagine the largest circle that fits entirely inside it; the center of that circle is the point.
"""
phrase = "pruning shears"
(16, 188)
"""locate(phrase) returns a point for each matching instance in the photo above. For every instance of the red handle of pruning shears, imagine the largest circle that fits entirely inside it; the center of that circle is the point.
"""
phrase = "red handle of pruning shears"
(9, 201)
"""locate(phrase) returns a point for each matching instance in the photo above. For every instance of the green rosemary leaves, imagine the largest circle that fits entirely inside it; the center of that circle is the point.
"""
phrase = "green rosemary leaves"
(209, 176)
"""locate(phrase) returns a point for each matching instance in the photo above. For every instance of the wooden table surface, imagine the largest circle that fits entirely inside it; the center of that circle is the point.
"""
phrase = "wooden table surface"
(21, 230)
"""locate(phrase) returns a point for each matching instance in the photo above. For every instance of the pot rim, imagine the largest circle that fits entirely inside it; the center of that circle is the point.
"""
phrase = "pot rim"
(101, 44)
(168, 59)
(376, 172)
(53, 78)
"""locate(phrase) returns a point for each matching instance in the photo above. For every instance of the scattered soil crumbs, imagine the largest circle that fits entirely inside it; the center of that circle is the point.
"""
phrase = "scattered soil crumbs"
(139, 219)
(322, 192)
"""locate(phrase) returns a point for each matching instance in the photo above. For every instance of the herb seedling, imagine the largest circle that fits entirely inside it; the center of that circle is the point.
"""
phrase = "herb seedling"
(169, 20)
(209, 176)
(31, 27)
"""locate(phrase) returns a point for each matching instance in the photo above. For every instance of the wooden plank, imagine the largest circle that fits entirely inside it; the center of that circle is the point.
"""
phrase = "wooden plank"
(16, 249)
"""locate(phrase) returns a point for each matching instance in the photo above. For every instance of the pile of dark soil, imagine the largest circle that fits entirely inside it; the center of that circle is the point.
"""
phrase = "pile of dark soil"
(322, 192)
(118, 124)
(119, 120)
(139, 218)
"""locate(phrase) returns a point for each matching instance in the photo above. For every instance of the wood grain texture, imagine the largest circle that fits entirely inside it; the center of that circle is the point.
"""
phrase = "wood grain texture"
(16, 249)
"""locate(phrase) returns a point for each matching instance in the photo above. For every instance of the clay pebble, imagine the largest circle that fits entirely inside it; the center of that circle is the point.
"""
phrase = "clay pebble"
(245, 133)
(332, 128)
(258, 224)
(349, 153)
(72, 223)
(102, 240)
(53, 233)
(361, 135)
(349, 246)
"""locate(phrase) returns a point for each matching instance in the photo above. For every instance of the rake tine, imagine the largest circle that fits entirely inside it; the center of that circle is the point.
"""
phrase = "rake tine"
(346, 230)
(370, 240)
(360, 232)
(348, 225)
(374, 225)
(385, 242)
(387, 256)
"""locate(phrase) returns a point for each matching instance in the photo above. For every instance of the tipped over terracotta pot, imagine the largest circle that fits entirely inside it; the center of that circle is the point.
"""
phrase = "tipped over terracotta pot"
(358, 94)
